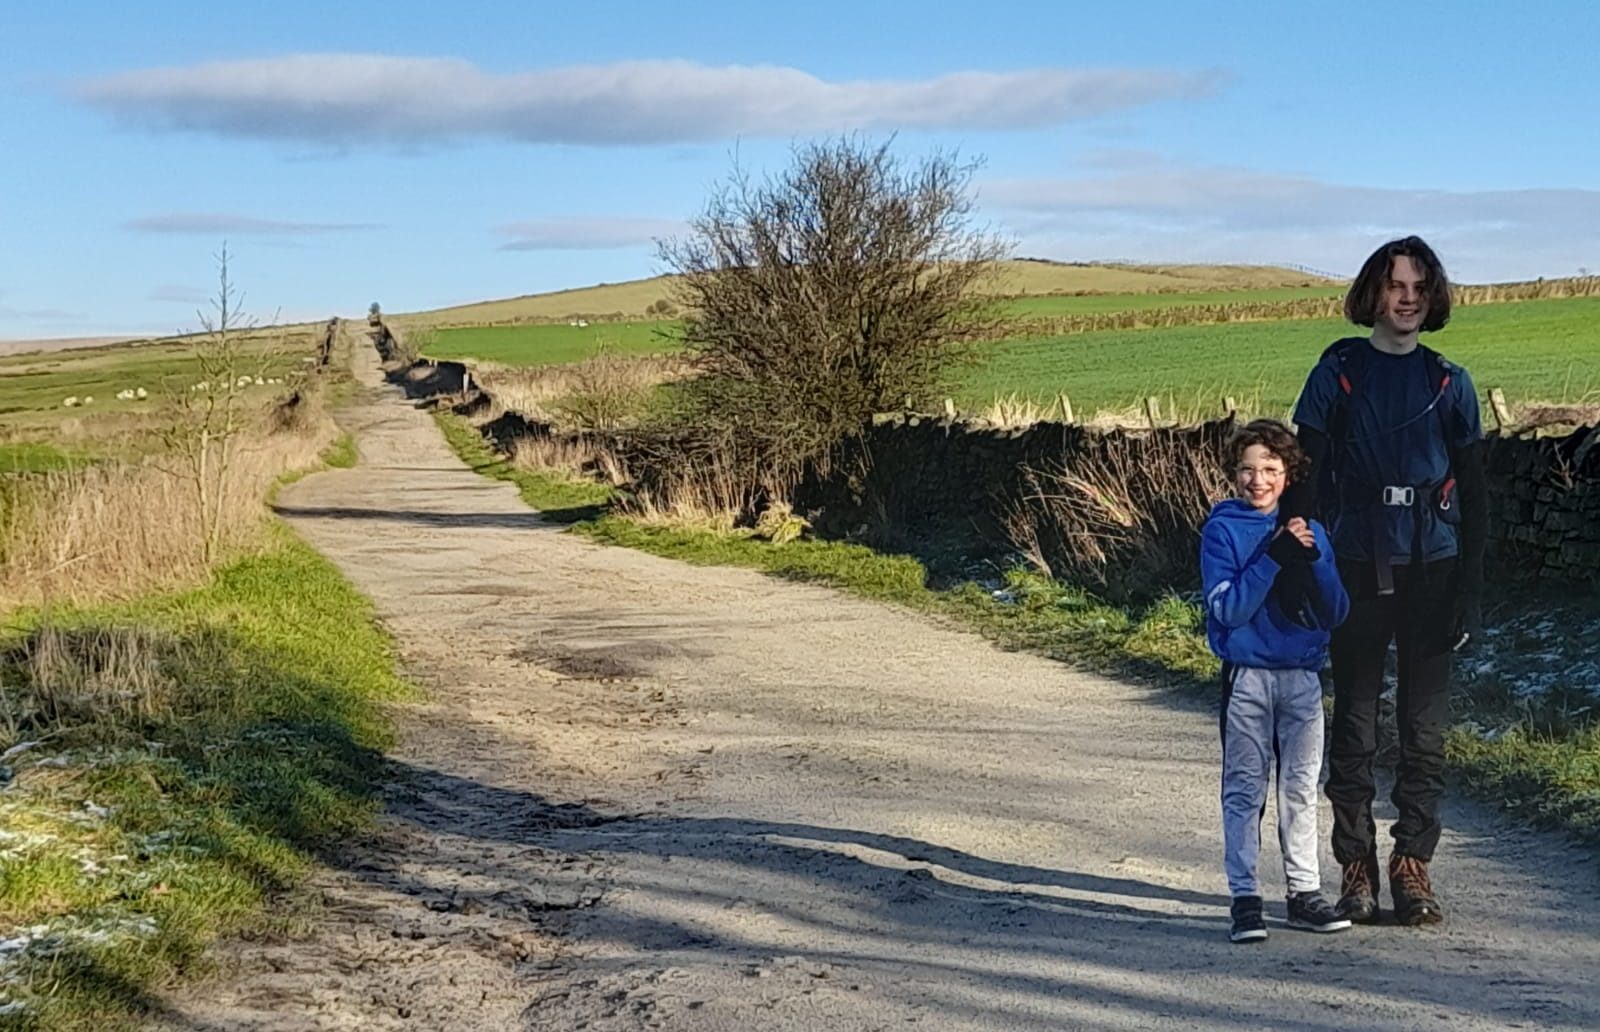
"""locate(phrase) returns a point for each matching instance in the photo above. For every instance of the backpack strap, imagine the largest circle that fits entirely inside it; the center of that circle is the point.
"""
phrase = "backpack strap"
(1349, 358)
(1442, 372)
(1349, 361)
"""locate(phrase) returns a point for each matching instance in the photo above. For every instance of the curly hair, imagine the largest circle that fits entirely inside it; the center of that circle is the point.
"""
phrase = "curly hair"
(1276, 438)
(1365, 299)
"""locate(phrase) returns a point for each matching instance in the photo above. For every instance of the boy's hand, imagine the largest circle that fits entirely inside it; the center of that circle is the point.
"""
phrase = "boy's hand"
(1294, 543)
(1302, 532)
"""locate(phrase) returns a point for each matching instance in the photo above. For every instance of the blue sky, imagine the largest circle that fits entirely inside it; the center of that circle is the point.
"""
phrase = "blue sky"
(360, 151)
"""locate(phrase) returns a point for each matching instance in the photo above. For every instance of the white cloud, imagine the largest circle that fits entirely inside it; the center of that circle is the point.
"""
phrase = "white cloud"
(37, 314)
(13, 313)
(344, 98)
(177, 292)
(1137, 206)
(576, 233)
(219, 224)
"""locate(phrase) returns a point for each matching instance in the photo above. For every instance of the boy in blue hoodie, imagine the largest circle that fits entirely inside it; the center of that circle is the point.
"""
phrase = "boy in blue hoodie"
(1272, 643)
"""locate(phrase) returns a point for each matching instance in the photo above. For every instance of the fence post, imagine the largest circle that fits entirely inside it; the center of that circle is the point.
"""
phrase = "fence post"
(1497, 405)
(1152, 409)
(1066, 407)
(950, 409)
(1229, 406)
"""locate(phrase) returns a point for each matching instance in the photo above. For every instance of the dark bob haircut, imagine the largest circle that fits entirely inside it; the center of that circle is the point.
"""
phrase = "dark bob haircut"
(1365, 300)
(1276, 438)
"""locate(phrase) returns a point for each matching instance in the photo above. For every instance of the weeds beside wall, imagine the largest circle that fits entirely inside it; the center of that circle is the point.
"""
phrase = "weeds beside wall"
(1118, 512)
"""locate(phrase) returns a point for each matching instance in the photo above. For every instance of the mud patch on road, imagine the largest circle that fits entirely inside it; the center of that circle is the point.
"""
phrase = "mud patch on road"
(630, 661)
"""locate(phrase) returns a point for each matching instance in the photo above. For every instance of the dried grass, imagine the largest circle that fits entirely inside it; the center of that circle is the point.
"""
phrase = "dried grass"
(117, 530)
(1123, 518)
(70, 677)
(709, 494)
(604, 391)
(1014, 412)
(1202, 404)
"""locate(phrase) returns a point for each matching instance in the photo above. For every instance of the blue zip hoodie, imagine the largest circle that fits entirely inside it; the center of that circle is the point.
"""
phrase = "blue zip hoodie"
(1244, 624)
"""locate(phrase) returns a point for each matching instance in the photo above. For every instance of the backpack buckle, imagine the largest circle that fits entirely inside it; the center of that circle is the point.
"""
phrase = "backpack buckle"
(1399, 495)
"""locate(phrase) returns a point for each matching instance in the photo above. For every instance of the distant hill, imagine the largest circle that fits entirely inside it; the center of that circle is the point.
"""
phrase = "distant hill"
(631, 300)
(23, 347)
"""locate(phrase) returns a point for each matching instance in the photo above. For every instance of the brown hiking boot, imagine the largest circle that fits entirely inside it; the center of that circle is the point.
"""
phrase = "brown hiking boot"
(1358, 893)
(1414, 902)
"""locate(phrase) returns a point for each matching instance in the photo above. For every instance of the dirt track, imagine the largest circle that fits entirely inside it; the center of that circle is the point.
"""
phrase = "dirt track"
(649, 795)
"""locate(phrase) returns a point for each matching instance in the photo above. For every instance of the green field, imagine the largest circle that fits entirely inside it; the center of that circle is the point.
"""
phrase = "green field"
(34, 387)
(1097, 304)
(1545, 350)
(1534, 350)
(553, 343)
(33, 384)
(550, 343)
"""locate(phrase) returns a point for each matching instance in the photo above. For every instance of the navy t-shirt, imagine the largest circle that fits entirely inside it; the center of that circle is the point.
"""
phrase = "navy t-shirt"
(1388, 445)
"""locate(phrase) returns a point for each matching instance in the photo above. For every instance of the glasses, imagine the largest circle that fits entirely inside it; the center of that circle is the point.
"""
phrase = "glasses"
(1267, 473)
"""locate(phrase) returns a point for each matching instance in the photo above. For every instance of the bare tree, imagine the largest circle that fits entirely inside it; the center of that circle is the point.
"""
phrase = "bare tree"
(211, 409)
(834, 290)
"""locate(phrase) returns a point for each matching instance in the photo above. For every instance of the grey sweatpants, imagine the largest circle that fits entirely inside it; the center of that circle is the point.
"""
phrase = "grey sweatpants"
(1271, 718)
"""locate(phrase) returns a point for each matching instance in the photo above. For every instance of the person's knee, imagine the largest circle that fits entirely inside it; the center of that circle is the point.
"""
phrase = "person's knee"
(1244, 796)
(1424, 742)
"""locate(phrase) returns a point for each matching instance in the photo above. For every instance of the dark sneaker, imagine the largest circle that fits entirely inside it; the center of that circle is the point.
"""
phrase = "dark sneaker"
(1310, 911)
(1358, 892)
(1414, 902)
(1248, 923)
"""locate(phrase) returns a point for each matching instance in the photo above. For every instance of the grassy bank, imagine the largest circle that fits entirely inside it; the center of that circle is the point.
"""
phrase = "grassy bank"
(1538, 762)
(188, 694)
(169, 762)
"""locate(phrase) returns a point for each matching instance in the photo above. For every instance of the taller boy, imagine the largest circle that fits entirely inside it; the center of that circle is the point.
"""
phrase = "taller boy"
(1393, 433)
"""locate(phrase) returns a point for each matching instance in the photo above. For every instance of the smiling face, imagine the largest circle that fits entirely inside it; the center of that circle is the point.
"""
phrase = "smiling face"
(1260, 478)
(1404, 303)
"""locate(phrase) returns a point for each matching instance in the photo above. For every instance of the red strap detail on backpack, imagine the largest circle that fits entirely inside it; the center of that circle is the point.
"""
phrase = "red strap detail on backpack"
(1344, 384)
(1447, 494)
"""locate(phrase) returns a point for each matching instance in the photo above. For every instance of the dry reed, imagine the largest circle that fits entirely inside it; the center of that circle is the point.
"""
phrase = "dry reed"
(604, 391)
(117, 530)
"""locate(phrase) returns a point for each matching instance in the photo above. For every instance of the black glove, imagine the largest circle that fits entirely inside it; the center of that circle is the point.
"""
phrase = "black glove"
(1468, 626)
(1292, 591)
(1286, 550)
(1298, 499)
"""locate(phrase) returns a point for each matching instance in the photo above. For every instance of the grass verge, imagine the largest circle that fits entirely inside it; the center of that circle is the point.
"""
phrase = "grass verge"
(167, 763)
(560, 497)
(341, 454)
(1540, 766)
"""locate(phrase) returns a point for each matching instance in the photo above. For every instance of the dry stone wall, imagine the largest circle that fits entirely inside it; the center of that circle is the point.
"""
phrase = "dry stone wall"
(920, 484)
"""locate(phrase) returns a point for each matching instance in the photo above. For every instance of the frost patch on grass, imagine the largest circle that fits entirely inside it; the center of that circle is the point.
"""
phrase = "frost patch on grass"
(1540, 661)
(44, 941)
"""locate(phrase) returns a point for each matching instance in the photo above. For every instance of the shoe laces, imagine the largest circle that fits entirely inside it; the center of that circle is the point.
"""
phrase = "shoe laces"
(1357, 879)
(1412, 875)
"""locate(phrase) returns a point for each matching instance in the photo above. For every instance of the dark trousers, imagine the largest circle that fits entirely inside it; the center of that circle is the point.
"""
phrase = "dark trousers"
(1418, 617)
